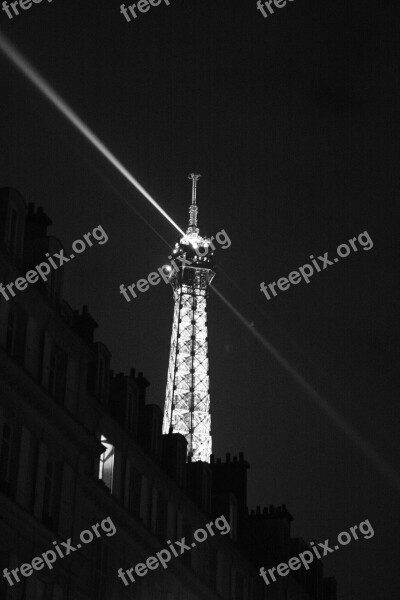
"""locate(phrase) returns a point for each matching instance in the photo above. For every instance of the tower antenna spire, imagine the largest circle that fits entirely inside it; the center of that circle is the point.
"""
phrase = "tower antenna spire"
(193, 210)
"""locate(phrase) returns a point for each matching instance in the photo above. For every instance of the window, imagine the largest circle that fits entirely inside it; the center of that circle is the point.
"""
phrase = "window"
(12, 232)
(57, 592)
(91, 378)
(233, 521)
(152, 509)
(106, 468)
(155, 438)
(239, 586)
(187, 532)
(58, 373)
(232, 593)
(101, 377)
(134, 492)
(43, 591)
(130, 416)
(20, 337)
(48, 494)
(220, 568)
(162, 516)
(48, 489)
(54, 285)
(40, 592)
(97, 379)
(100, 570)
(4, 561)
(213, 566)
(246, 589)
(251, 588)
(179, 466)
(206, 491)
(134, 591)
(157, 593)
(16, 333)
(10, 331)
(5, 457)
(13, 227)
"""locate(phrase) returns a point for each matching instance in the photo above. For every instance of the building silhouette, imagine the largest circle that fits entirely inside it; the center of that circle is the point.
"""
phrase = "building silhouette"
(79, 444)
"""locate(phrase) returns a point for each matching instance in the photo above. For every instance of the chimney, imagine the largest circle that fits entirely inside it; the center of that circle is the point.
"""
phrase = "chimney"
(84, 324)
(142, 384)
(36, 223)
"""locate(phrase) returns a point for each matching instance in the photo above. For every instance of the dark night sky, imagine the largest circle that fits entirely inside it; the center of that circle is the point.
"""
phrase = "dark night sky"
(293, 122)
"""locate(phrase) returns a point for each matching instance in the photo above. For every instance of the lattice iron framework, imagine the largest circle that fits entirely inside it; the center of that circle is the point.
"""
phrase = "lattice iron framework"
(187, 401)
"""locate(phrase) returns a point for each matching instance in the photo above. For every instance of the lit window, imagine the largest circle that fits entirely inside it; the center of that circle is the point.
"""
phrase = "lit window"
(106, 467)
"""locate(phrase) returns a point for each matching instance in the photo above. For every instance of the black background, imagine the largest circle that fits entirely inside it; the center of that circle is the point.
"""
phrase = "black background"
(293, 123)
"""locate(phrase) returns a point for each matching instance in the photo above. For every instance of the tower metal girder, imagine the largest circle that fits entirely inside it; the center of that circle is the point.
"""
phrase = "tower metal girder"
(187, 402)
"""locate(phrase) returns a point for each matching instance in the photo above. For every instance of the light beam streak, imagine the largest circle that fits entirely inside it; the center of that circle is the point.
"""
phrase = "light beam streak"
(41, 84)
(347, 429)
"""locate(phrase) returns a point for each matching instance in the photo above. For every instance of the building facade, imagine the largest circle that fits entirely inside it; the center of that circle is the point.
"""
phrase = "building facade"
(79, 445)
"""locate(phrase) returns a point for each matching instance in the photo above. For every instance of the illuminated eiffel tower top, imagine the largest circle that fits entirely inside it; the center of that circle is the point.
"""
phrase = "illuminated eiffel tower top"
(187, 401)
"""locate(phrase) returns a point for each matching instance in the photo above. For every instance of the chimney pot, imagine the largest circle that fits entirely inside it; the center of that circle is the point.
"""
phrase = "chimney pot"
(36, 223)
